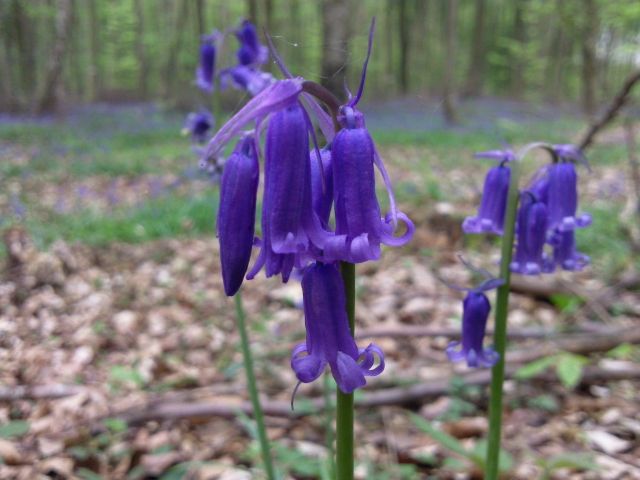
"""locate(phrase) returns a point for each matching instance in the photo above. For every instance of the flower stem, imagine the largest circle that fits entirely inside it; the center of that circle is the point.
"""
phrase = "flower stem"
(500, 333)
(253, 389)
(328, 425)
(344, 405)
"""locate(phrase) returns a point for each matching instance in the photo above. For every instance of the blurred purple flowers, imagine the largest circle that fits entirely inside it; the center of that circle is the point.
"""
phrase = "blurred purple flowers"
(547, 215)
(206, 70)
(198, 125)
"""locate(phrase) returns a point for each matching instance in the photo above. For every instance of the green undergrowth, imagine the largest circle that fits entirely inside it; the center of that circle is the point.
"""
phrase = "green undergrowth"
(165, 217)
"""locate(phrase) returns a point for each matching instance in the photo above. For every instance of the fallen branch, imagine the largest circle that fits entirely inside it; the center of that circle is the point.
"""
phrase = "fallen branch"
(39, 392)
(424, 331)
(402, 395)
(610, 113)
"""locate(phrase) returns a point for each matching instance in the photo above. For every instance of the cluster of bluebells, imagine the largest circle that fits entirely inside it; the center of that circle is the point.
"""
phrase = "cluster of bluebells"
(547, 217)
(319, 208)
(546, 223)
(246, 76)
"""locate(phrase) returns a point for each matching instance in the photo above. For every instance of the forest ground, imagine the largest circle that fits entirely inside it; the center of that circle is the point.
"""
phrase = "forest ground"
(111, 300)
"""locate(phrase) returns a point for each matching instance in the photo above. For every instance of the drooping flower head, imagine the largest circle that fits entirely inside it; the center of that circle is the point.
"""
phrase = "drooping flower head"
(251, 52)
(563, 198)
(531, 229)
(490, 218)
(290, 225)
(565, 254)
(207, 67)
(329, 340)
(236, 214)
(357, 210)
(198, 125)
(475, 313)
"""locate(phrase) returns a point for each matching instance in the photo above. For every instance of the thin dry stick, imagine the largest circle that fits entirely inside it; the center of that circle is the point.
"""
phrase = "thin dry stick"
(417, 393)
(610, 113)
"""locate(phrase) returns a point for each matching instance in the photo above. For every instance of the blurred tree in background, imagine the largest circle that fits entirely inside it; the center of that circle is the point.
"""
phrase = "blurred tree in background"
(63, 52)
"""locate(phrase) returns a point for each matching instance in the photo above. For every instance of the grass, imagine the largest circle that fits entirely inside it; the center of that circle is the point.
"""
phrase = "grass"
(112, 142)
(168, 216)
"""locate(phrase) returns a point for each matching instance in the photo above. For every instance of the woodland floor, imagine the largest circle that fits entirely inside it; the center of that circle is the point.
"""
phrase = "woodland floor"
(119, 354)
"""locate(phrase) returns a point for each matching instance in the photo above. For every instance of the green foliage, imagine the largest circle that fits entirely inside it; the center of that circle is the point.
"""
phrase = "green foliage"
(123, 376)
(625, 351)
(567, 304)
(568, 367)
(476, 456)
(14, 428)
(574, 461)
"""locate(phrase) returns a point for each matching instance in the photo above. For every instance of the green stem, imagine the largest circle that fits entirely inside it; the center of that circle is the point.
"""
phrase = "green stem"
(500, 333)
(502, 310)
(344, 405)
(329, 434)
(253, 389)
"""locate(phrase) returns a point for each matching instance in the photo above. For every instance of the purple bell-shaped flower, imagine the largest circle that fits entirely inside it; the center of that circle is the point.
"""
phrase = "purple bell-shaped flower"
(198, 125)
(563, 198)
(475, 312)
(531, 233)
(207, 66)
(251, 52)
(236, 215)
(290, 226)
(357, 211)
(565, 254)
(490, 218)
(329, 340)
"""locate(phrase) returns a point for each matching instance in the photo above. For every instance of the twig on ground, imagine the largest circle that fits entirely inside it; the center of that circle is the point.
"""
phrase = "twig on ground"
(587, 343)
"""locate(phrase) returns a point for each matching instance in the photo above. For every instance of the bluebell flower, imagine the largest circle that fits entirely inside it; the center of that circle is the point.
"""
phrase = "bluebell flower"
(251, 52)
(357, 210)
(329, 340)
(236, 214)
(563, 198)
(290, 226)
(475, 313)
(198, 125)
(531, 229)
(490, 218)
(207, 67)
(565, 254)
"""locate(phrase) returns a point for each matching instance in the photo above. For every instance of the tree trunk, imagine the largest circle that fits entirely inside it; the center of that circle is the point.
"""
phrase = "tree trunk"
(24, 37)
(515, 60)
(589, 72)
(335, 34)
(252, 9)
(95, 70)
(180, 19)
(201, 17)
(448, 105)
(143, 62)
(475, 76)
(403, 36)
(50, 97)
(423, 39)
